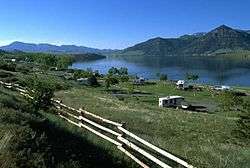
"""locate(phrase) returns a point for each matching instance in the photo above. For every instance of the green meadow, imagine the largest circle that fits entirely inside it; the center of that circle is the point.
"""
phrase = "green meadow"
(42, 139)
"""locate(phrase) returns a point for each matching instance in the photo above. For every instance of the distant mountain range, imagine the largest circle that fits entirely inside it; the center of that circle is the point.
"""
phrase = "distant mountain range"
(48, 48)
(221, 39)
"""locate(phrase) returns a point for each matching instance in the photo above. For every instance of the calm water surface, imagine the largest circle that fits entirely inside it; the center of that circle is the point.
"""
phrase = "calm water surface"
(211, 70)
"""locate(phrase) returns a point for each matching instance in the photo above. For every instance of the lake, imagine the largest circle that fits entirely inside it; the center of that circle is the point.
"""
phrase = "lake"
(211, 70)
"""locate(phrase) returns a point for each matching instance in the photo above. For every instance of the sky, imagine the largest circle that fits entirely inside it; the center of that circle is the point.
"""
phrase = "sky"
(114, 24)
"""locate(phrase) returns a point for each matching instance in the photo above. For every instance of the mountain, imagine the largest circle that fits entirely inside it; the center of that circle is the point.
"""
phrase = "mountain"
(48, 48)
(222, 38)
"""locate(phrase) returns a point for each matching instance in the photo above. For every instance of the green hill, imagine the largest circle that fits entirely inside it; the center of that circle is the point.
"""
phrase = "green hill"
(222, 38)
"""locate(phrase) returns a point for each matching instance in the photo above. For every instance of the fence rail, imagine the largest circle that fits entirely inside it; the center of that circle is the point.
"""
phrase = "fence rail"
(118, 131)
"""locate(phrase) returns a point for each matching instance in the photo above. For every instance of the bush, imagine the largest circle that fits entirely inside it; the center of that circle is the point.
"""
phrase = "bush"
(42, 90)
(82, 74)
(193, 77)
(115, 71)
(124, 78)
(110, 80)
(92, 80)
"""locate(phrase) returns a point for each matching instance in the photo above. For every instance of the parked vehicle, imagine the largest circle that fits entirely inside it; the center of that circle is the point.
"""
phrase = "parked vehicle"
(222, 88)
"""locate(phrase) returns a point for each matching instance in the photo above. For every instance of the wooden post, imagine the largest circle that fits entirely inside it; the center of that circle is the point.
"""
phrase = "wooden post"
(93, 131)
(100, 118)
(132, 157)
(99, 126)
(101, 135)
(164, 153)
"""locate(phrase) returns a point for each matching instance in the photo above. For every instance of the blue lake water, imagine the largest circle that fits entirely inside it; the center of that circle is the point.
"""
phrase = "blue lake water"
(211, 70)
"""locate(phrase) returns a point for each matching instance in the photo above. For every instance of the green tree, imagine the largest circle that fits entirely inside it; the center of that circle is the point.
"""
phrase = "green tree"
(193, 77)
(113, 71)
(63, 62)
(123, 71)
(92, 80)
(42, 90)
(110, 80)
(124, 78)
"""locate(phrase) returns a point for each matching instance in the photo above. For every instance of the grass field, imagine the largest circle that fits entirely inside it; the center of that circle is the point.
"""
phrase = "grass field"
(203, 139)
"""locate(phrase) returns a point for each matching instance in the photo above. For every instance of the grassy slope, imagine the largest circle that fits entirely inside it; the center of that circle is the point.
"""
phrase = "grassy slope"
(28, 140)
(202, 139)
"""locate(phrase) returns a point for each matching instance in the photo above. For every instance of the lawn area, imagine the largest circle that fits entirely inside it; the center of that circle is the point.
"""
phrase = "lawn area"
(202, 139)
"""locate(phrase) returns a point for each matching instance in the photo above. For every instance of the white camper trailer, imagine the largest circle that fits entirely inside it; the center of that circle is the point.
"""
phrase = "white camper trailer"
(171, 101)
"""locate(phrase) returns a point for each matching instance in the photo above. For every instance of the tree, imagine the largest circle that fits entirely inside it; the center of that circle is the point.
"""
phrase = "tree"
(124, 78)
(193, 77)
(110, 80)
(63, 62)
(123, 71)
(92, 80)
(42, 90)
(113, 71)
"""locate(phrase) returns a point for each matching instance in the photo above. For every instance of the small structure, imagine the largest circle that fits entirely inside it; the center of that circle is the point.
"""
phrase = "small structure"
(54, 69)
(171, 101)
(139, 81)
(11, 60)
(222, 88)
(83, 81)
(182, 84)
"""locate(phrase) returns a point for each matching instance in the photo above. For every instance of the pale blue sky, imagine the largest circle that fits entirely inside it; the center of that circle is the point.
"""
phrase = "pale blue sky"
(114, 23)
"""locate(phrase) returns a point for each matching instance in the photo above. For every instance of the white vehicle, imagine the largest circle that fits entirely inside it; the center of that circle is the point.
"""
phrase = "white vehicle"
(222, 88)
(139, 80)
(171, 101)
(182, 84)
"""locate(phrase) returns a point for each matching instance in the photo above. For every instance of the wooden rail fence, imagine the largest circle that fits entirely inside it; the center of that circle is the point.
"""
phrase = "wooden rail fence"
(117, 135)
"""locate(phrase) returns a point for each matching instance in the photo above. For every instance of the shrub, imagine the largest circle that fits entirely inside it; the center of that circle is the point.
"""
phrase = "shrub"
(92, 80)
(110, 80)
(193, 77)
(42, 90)
(82, 74)
(124, 78)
